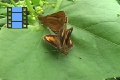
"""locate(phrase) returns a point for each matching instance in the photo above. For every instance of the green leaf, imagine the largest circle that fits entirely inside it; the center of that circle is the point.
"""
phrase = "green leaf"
(3, 11)
(24, 55)
(3, 20)
(35, 2)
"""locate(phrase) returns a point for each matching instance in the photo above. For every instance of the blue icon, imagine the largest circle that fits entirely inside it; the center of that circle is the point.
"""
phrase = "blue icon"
(17, 17)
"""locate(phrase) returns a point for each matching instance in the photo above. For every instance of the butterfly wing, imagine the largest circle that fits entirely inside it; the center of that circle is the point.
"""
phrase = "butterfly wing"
(68, 41)
(68, 34)
(65, 36)
(62, 35)
(54, 21)
(61, 16)
(52, 39)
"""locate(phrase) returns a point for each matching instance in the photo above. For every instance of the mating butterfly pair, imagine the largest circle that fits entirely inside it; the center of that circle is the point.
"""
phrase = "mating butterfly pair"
(57, 22)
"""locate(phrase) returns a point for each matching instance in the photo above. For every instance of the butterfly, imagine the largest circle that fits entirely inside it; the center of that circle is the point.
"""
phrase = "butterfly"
(61, 40)
(54, 21)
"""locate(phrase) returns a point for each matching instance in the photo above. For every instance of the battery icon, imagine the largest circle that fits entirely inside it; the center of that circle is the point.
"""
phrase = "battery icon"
(17, 17)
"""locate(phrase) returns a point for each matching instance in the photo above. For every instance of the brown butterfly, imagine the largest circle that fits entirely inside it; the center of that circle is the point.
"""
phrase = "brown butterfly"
(54, 21)
(62, 40)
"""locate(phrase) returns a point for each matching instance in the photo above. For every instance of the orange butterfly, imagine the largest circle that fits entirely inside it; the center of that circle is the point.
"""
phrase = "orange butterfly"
(54, 21)
(62, 40)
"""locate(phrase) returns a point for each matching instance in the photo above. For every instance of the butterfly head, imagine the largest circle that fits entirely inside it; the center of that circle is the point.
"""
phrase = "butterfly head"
(64, 49)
